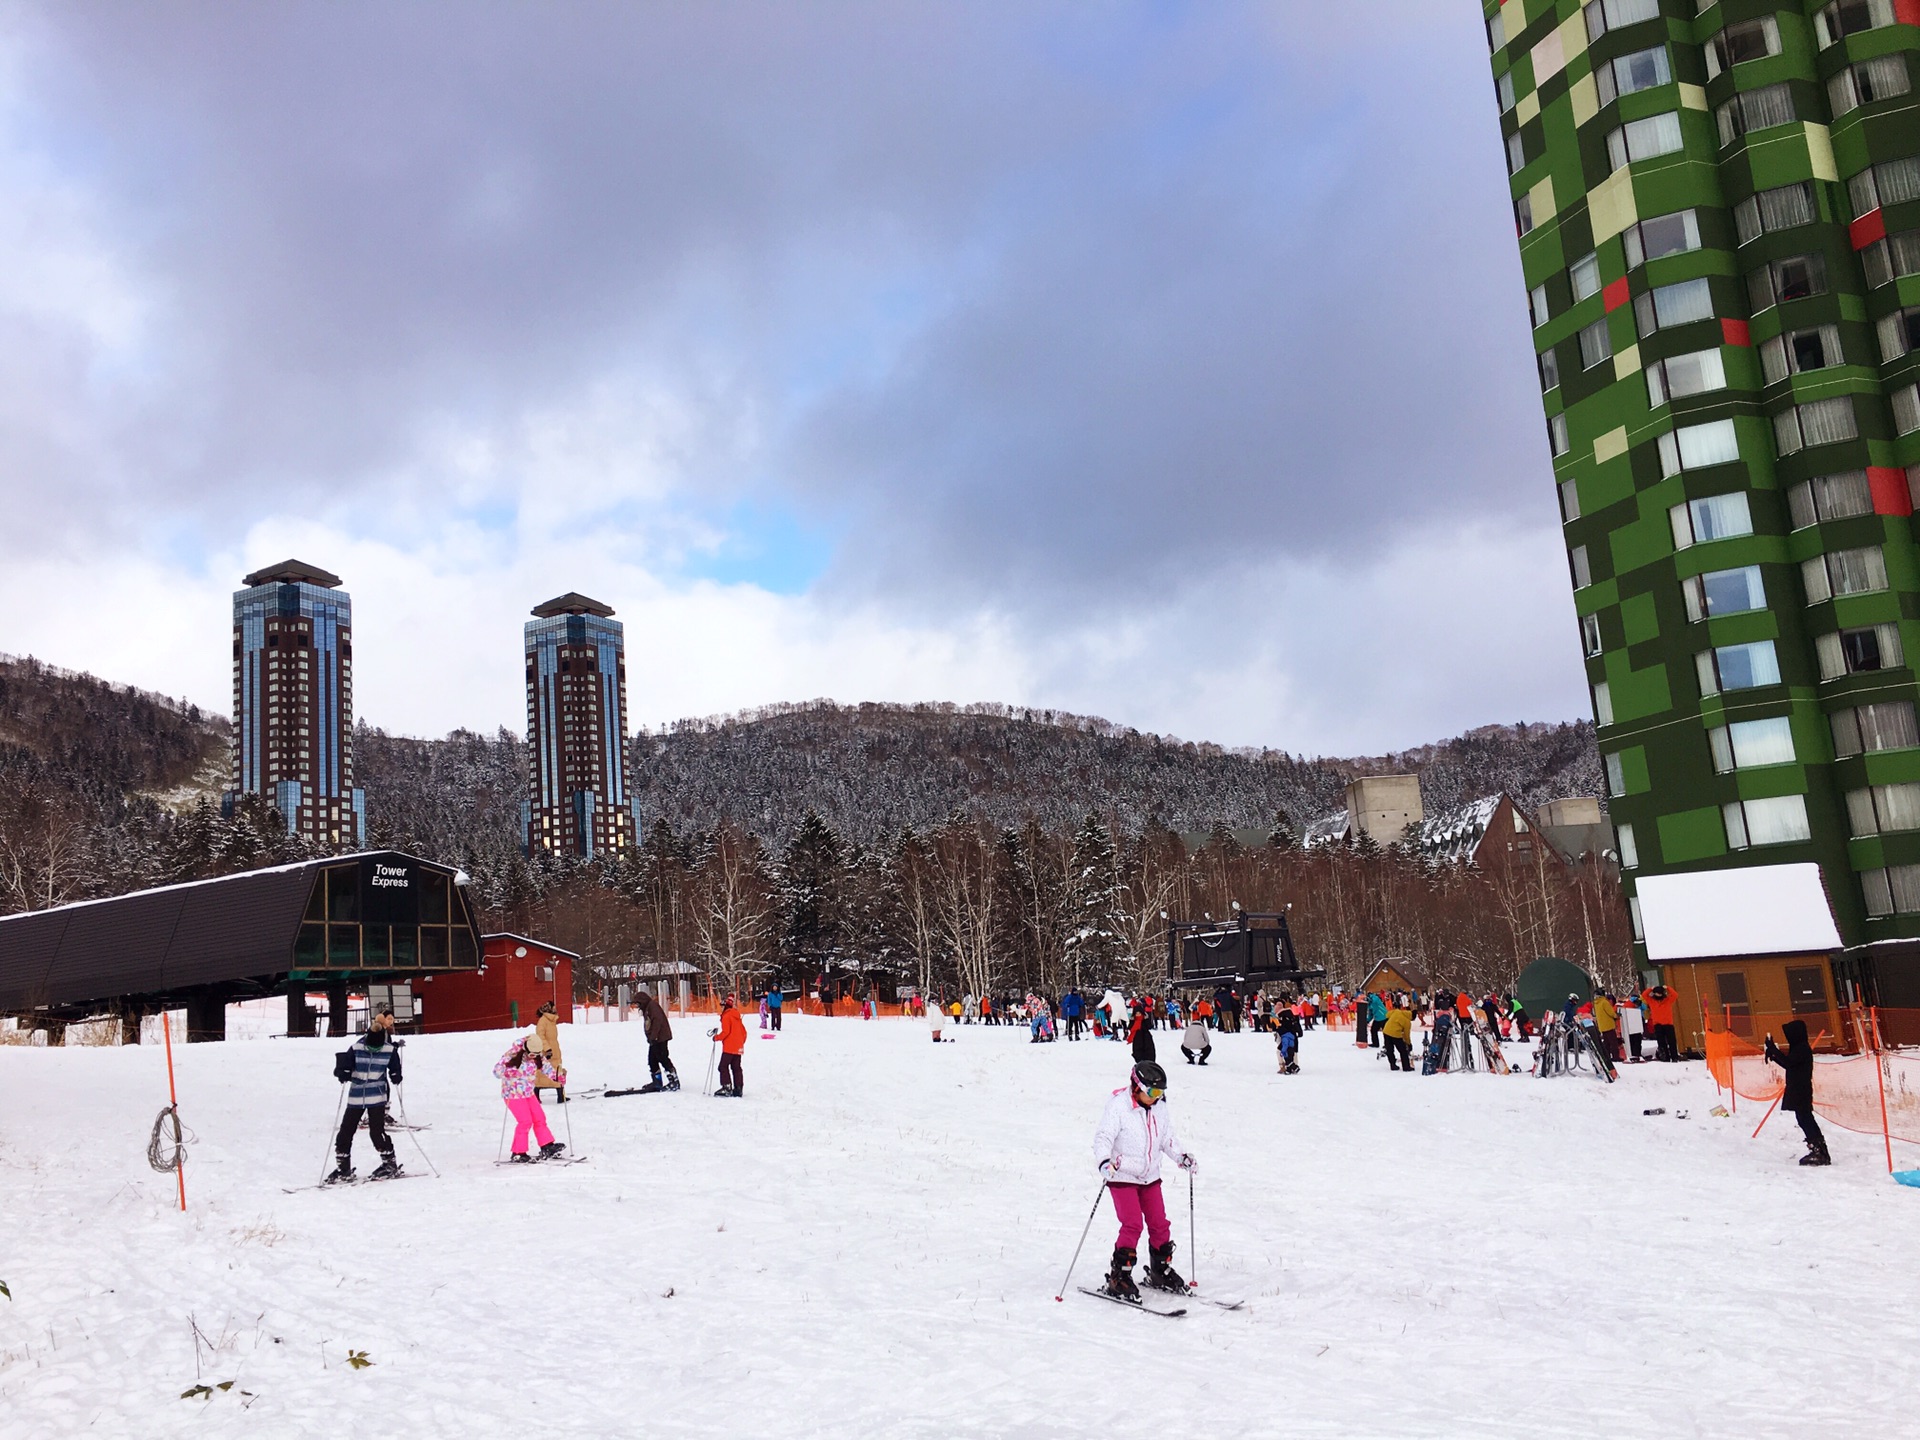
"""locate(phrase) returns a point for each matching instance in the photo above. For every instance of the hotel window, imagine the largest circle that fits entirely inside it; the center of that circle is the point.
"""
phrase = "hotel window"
(1584, 276)
(1737, 667)
(1557, 435)
(1833, 23)
(1771, 210)
(1862, 84)
(1798, 351)
(1679, 376)
(1853, 652)
(1905, 403)
(1779, 821)
(1596, 344)
(1590, 634)
(1569, 502)
(1537, 306)
(1516, 153)
(1661, 236)
(1893, 183)
(1794, 278)
(1603, 703)
(1605, 15)
(1666, 305)
(1645, 139)
(1629, 849)
(1751, 744)
(1616, 775)
(1549, 369)
(1693, 447)
(1503, 87)
(1723, 592)
(1830, 497)
(1737, 44)
(1876, 808)
(1823, 422)
(1752, 110)
(1582, 571)
(1844, 572)
(1894, 890)
(1626, 74)
(1523, 213)
(1888, 725)
(1896, 255)
(1899, 334)
(1497, 31)
(1716, 517)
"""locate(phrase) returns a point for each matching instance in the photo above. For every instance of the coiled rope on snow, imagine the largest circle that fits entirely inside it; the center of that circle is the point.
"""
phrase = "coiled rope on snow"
(163, 1153)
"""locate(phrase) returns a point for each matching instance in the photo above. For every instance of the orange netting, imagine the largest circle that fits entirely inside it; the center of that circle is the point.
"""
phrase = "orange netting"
(1863, 1079)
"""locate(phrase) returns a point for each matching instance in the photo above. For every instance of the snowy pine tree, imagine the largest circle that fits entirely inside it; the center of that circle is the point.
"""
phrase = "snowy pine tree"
(1093, 905)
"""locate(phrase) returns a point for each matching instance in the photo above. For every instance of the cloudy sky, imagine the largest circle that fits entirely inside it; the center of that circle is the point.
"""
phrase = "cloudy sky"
(1158, 361)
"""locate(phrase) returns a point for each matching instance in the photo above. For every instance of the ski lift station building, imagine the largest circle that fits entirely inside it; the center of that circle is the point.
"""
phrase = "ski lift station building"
(349, 921)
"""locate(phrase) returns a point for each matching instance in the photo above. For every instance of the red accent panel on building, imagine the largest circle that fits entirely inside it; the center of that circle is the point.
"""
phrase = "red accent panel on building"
(1889, 486)
(1615, 295)
(1869, 227)
(507, 994)
(1907, 12)
(1736, 332)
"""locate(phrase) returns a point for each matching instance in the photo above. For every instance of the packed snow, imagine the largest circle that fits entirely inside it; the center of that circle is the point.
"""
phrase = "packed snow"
(870, 1243)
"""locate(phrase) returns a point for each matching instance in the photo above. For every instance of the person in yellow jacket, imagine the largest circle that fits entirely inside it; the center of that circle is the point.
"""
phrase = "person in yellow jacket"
(546, 1041)
(1398, 1033)
(1606, 1019)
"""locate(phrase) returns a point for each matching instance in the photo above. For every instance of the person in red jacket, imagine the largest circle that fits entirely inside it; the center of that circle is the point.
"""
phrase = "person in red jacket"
(732, 1036)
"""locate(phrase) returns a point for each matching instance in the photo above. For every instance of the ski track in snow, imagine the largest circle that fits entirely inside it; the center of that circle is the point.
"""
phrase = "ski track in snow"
(870, 1242)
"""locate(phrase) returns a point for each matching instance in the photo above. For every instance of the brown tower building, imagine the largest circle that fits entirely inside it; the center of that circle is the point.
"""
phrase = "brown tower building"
(293, 702)
(577, 729)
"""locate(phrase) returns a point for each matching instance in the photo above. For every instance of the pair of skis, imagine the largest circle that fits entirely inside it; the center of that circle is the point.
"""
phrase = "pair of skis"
(1165, 1314)
(355, 1181)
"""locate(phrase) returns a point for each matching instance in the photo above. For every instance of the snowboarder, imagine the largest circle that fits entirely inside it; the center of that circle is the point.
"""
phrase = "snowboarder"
(732, 1035)
(545, 1040)
(1196, 1044)
(659, 1035)
(1797, 1099)
(519, 1072)
(1135, 1131)
(366, 1067)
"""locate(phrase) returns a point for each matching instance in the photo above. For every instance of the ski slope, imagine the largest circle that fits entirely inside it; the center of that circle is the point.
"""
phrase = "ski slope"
(870, 1243)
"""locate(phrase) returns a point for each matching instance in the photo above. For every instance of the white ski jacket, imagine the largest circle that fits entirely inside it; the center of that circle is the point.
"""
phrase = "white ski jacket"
(1134, 1138)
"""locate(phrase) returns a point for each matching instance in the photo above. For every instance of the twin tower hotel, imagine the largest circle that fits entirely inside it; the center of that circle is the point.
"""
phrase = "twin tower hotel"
(293, 715)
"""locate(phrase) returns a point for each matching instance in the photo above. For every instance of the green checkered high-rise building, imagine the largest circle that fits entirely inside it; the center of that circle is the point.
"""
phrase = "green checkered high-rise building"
(1718, 207)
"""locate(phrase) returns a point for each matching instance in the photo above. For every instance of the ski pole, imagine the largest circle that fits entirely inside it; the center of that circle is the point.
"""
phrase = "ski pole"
(706, 1084)
(1062, 1295)
(1193, 1250)
(400, 1094)
(500, 1150)
(332, 1129)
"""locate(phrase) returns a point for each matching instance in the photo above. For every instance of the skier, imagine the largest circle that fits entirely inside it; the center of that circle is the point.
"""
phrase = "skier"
(659, 1034)
(732, 1035)
(1286, 1040)
(366, 1067)
(545, 1040)
(1797, 1100)
(1135, 1131)
(776, 1002)
(1073, 1010)
(1397, 1032)
(519, 1071)
(766, 1015)
(1196, 1044)
(936, 1020)
(1140, 1031)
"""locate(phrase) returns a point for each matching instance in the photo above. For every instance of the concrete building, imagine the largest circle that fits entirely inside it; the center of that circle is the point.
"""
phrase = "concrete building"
(293, 702)
(576, 729)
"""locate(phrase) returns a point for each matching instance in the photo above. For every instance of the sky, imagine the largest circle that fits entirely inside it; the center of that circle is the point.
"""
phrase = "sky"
(1157, 361)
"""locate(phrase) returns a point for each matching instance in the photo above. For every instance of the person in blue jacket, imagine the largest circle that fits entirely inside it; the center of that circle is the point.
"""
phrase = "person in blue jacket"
(774, 1001)
(1376, 1017)
(1074, 1009)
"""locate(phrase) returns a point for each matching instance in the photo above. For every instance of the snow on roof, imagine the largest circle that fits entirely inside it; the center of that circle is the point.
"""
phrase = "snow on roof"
(1752, 910)
(1455, 835)
(1327, 830)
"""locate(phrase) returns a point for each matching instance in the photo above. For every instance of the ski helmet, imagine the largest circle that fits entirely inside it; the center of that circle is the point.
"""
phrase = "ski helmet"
(1149, 1076)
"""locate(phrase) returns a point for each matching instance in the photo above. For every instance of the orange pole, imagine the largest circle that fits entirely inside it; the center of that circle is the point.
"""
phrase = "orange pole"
(180, 1170)
(1733, 1079)
(1879, 1080)
(1764, 1118)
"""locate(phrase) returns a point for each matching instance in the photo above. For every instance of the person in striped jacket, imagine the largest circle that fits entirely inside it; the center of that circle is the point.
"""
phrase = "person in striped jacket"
(366, 1067)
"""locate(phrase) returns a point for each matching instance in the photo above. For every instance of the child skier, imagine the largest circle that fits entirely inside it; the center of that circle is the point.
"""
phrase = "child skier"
(1797, 1100)
(732, 1036)
(519, 1071)
(365, 1067)
(1286, 1040)
(1135, 1131)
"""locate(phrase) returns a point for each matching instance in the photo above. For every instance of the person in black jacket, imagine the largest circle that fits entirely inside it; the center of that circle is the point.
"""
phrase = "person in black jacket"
(1140, 1032)
(1798, 1097)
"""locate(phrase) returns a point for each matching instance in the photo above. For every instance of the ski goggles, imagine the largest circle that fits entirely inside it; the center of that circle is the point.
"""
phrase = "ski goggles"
(1152, 1092)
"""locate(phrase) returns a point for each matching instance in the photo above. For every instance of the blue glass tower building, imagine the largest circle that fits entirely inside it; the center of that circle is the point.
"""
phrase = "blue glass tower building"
(293, 702)
(576, 730)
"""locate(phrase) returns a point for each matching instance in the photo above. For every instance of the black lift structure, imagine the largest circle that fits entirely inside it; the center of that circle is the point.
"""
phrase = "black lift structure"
(1246, 949)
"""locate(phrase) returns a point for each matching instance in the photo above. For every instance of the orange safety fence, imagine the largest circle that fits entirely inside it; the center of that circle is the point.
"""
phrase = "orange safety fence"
(1863, 1079)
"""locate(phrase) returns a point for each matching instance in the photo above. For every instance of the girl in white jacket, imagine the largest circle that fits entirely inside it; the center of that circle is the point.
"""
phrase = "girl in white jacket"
(1134, 1133)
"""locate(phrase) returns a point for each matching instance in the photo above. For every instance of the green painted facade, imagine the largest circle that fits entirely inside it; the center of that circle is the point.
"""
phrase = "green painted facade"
(1716, 204)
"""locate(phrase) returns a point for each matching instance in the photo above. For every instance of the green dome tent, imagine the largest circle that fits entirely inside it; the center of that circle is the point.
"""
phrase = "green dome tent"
(1544, 985)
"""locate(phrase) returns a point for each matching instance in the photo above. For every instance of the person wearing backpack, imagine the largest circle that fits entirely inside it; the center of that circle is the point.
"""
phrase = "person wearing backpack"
(365, 1068)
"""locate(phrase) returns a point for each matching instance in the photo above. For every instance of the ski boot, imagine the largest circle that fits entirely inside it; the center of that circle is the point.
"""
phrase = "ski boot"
(551, 1149)
(386, 1170)
(652, 1087)
(1160, 1272)
(520, 1157)
(1816, 1155)
(1120, 1275)
(673, 1079)
(342, 1174)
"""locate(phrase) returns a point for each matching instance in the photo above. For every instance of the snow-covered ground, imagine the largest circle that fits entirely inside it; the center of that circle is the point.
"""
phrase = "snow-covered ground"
(870, 1242)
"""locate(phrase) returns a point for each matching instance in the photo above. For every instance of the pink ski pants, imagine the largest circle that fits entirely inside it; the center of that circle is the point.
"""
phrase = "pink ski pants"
(529, 1113)
(1137, 1205)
